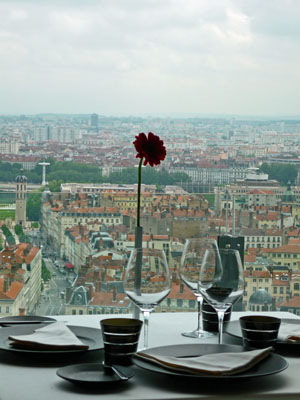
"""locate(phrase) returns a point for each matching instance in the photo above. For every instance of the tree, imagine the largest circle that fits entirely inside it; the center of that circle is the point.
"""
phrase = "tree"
(19, 230)
(281, 172)
(54, 185)
(151, 176)
(46, 275)
(33, 209)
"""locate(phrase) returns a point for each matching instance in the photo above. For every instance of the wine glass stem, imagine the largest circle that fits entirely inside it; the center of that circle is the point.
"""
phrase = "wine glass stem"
(200, 320)
(146, 315)
(220, 323)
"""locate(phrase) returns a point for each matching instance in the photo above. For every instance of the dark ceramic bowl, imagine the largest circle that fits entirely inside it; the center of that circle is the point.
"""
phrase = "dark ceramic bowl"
(259, 330)
(120, 338)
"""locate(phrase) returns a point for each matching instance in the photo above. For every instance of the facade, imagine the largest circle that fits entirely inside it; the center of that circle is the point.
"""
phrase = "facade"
(286, 255)
(262, 238)
(9, 147)
(212, 175)
(20, 279)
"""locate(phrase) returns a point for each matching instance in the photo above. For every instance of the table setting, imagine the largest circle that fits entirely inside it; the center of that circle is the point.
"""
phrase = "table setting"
(165, 340)
(113, 356)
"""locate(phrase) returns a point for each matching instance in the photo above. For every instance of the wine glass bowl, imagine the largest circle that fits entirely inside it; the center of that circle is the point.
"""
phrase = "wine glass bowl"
(190, 263)
(147, 281)
(221, 281)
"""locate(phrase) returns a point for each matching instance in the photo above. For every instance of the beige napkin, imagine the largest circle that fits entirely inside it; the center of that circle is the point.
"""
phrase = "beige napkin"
(56, 336)
(289, 332)
(211, 364)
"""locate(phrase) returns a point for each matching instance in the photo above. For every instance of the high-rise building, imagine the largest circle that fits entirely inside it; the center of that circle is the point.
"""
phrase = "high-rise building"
(21, 191)
(94, 120)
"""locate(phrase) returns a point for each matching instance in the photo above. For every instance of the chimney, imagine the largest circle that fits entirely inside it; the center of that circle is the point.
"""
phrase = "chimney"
(102, 274)
(114, 294)
(6, 284)
(281, 221)
(98, 286)
(96, 274)
(250, 219)
(91, 291)
(181, 289)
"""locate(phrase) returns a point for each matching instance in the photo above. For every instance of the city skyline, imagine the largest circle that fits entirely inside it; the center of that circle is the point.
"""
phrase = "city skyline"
(150, 58)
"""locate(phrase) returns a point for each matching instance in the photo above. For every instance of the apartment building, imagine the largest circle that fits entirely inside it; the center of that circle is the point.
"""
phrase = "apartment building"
(59, 216)
(20, 278)
(262, 238)
(286, 255)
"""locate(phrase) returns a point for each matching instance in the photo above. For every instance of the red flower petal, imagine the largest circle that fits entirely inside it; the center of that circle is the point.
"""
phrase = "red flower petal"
(152, 149)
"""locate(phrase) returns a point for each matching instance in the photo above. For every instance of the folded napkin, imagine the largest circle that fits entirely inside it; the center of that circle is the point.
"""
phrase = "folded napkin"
(289, 332)
(221, 364)
(56, 336)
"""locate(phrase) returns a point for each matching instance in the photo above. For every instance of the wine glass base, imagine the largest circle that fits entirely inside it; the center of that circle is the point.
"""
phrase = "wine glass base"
(198, 334)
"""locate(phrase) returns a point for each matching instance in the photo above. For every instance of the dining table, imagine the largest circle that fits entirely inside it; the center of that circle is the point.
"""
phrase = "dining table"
(23, 377)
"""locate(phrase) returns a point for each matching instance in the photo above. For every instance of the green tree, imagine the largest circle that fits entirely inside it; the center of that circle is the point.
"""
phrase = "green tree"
(283, 173)
(46, 275)
(8, 235)
(54, 185)
(33, 209)
(150, 176)
(19, 230)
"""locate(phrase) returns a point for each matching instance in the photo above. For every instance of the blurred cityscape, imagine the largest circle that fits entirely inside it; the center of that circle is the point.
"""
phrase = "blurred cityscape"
(68, 197)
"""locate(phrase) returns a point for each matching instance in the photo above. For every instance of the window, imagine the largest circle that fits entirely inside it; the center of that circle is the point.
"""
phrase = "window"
(179, 303)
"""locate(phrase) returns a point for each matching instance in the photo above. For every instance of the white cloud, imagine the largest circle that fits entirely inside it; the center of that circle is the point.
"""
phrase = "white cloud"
(149, 56)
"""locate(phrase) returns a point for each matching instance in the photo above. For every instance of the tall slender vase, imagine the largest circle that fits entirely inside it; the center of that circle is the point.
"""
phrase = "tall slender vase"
(138, 245)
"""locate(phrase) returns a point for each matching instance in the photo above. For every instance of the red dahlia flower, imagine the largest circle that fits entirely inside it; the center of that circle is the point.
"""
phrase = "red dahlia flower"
(152, 149)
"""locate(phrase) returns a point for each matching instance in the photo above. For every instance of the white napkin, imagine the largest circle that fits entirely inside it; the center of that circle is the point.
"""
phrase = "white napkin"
(289, 332)
(56, 336)
(210, 364)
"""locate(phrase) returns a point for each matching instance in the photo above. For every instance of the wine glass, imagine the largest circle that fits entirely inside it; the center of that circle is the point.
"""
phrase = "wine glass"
(147, 281)
(189, 268)
(221, 281)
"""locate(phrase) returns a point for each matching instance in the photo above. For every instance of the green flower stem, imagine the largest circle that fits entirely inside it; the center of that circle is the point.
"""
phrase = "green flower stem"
(139, 193)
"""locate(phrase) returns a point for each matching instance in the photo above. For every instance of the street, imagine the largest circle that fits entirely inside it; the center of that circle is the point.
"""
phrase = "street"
(53, 297)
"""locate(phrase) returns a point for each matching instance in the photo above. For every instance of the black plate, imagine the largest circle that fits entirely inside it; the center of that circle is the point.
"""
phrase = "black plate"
(25, 319)
(273, 364)
(91, 374)
(233, 328)
(89, 336)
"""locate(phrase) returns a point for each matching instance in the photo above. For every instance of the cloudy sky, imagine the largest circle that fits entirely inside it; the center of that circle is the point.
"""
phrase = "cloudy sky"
(134, 57)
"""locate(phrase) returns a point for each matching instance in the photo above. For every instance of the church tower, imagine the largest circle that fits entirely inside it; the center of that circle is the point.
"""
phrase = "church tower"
(21, 191)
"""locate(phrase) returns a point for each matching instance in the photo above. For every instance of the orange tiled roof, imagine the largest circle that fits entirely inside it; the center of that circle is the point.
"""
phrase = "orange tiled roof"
(288, 248)
(250, 257)
(293, 302)
(14, 289)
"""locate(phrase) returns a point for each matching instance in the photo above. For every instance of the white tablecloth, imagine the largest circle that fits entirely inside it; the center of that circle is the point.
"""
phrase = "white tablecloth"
(25, 380)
